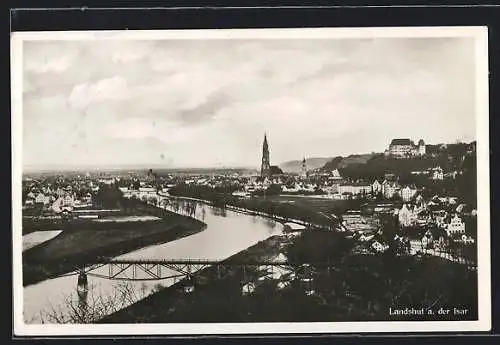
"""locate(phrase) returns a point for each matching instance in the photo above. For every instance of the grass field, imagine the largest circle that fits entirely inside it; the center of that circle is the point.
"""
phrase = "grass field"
(326, 206)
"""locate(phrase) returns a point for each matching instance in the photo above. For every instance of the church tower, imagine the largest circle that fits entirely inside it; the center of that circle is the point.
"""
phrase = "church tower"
(265, 169)
(303, 168)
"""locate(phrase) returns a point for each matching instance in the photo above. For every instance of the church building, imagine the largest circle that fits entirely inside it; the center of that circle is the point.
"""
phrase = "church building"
(265, 169)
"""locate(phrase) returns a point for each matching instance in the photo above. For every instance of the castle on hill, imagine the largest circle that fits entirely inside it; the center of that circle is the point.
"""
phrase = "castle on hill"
(405, 148)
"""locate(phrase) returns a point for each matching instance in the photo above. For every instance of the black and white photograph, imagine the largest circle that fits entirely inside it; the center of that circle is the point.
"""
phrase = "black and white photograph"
(251, 181)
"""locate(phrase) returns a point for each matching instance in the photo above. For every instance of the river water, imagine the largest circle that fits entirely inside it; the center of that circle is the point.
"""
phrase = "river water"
(227, 233)
(38, 237)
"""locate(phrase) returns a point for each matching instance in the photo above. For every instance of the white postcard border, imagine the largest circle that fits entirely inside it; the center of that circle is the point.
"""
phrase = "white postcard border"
(480, 34)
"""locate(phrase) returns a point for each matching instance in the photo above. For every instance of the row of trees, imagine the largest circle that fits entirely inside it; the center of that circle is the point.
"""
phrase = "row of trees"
(221, 197)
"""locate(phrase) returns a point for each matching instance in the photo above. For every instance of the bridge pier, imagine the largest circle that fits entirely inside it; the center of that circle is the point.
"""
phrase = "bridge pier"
(82, 287)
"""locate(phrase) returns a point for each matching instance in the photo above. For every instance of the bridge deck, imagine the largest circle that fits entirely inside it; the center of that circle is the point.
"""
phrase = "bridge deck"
(201, 262)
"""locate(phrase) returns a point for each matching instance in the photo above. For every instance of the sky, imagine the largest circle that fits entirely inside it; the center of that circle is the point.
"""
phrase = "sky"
(208, 103)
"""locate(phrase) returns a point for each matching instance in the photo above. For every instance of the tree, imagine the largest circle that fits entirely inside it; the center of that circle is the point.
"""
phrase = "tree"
(108, 196)
(274, 189)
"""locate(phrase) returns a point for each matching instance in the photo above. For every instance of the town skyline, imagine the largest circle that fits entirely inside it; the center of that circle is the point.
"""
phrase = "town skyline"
(256, 166)
(188, 104)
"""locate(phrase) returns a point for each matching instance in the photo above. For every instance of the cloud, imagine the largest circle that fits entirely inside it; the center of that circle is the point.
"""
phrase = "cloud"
(49, 57)
(208, 101)
(106, 89)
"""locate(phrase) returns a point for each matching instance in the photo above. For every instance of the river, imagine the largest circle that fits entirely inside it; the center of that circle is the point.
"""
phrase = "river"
(227, 233)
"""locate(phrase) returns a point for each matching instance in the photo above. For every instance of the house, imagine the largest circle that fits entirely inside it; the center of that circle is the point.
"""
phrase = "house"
(147, 192)
(376, 187)
(333, 189)
(455, 226)
(248, 288)
(379, 247)
(40, 198)
(335, 175)
(68, 201)
(421, 147)
(390, 189)
(124, 190)
(406, 217)
(439, 217)
(407, 193)
(427, 239)
(241, 194)
(355, 188)
(465, 239)
(423, 218)
(365, 238)
(437, 173)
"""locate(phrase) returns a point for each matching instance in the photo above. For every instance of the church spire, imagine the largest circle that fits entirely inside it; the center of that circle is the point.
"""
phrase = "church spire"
(265, 167)
(303, 168)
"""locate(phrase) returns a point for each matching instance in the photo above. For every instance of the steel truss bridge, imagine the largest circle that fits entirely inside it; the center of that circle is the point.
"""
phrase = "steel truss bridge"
(148, 270)
(162, 269)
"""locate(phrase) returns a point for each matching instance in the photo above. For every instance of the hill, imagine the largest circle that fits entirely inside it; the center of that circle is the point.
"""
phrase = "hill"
(343, 162)
(312, 163)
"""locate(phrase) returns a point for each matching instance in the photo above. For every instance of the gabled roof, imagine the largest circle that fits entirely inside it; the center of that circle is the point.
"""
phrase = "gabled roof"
(401, 142)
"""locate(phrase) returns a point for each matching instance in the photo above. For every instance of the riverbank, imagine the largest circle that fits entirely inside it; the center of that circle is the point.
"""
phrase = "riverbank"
(333, 223)
(165, 305)
(306, 211)
(83, 241)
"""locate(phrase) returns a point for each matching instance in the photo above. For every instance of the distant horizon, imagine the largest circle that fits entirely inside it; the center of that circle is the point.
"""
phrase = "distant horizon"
(146, 166)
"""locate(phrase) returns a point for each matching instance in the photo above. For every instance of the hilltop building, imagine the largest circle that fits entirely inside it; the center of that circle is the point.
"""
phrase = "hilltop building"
(405, 148)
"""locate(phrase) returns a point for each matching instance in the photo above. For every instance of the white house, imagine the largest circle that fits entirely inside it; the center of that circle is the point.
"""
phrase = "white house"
(248, 288)
(456, 226)
(335, 175)
(406, 216)
(379, 247)
(407, 193)
(40, 198)
(466, 239)
(389, 189)
(68, 200)
(421, 147)
(355, 188)
(437, 173)
(376, 187)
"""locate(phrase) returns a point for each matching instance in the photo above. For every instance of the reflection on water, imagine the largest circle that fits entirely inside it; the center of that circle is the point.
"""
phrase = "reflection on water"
(227, 233)
(217, 211)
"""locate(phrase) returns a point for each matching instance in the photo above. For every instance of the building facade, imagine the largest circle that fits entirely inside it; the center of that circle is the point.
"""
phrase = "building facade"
(407, 193)
(405, 148)
(455, 226)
